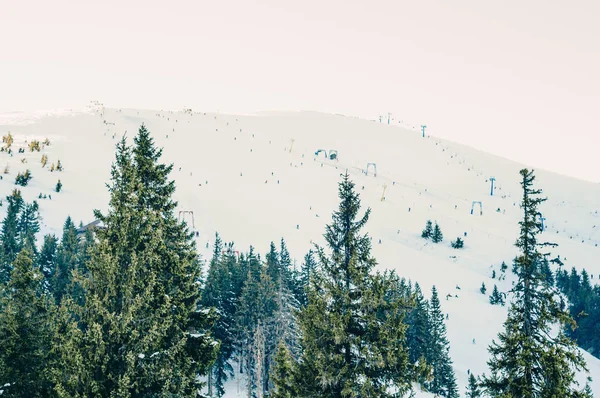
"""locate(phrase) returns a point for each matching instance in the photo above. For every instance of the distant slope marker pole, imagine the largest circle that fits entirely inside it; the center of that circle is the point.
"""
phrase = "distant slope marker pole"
(492, 179)
(383, 194)
(292, 145)
(480, 207)
(423, 127)
(389, 117)
(182, 214)
(374, 169)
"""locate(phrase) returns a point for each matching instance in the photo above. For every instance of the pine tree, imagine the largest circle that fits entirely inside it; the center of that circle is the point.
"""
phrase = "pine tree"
(66, 260)
(9, 239)
(284, 328)
(220, 294)
(29, 226)
(47, 260)
(58, 187)
(496, 297)
(308, 267)
(473, 388)
(352, 337)
(529, 360)
(418, 327)
(444, 380)
(25, 332)
(483, 289)
(258, 303)
(437, 235)
(258, 351)
(141, 330)
(274, 269)
(283, 375)
(428, 231)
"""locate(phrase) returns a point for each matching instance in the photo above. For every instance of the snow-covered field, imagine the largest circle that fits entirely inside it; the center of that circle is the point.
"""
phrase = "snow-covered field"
(255, 179)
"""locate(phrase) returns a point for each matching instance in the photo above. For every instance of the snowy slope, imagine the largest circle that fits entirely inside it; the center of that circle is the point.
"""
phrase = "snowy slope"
(241, 176)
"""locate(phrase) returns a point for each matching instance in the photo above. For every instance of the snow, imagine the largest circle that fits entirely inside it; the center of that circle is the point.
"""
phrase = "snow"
(435, 179)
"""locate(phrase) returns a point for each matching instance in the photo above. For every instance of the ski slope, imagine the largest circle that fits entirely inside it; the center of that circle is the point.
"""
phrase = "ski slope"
(255, 179)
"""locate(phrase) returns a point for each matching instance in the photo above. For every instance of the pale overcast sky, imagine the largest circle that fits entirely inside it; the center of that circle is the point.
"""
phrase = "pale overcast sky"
(515, 77)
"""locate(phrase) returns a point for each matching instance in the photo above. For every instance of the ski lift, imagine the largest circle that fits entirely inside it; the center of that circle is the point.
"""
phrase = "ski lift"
(374, 169)
(318, 151)
(333, 154)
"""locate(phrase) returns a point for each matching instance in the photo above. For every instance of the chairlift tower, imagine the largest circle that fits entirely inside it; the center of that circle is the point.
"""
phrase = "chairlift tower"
(492, 179)
(423, 127)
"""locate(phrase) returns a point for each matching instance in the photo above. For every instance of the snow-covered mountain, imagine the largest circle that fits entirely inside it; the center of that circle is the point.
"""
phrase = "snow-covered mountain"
(256, 178)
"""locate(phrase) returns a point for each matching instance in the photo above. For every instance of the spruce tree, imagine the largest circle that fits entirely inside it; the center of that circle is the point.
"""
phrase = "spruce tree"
(308, 267)
(9, 237)
(496, 297)
(47, 260)
(29, 226)
(26, 331)
(530, 360)
(438, 355)
(353, 339)
(428, 231)
(437, 235)
(219, 294)
(283, 375)
(258, 303)
(141, 331)
(66, 260)
(473, 390)
(483, 289)
(418, 327)
(274, 269)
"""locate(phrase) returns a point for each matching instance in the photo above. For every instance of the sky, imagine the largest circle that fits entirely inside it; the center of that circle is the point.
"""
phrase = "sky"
(520, 79)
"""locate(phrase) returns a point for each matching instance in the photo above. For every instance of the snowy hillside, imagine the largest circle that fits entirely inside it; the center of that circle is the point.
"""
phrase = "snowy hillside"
(256, 178)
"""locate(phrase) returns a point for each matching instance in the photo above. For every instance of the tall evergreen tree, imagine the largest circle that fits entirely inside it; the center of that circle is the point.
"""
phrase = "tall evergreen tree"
(141, 331)
(308, 267)
(529, 360)
(438, 355)
(9, 237)
(274, 269)
(47, 260)
(66, 260)
(353, 340)
(219, 294)
(283, 375)
(473, 390)
(29, 226)
(26, 331)
(419, 327)
(258, 303)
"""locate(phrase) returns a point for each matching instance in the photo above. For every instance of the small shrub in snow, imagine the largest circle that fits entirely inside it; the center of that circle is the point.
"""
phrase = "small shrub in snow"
(34, 145)
(458, 243)
(44, 160)
(58, 186)
(23, 179)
